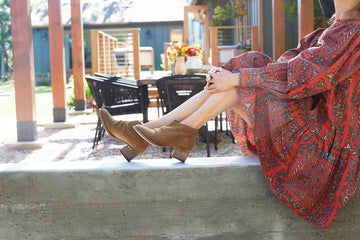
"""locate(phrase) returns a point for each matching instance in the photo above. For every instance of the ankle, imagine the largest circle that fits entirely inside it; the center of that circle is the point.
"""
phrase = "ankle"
(191, 124)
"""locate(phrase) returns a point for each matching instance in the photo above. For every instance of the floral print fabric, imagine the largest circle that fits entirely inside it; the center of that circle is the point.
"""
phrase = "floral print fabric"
(304, 113)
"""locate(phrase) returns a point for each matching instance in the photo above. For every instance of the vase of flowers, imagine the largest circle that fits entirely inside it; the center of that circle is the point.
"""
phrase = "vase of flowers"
(176, 56)
(179, 53)
(180, 67)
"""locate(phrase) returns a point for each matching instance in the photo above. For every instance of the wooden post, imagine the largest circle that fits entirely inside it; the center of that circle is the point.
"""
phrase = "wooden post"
(166, 64)
(136, 48)
(186, 25)
(24, 76)
(57, 60)
(94, 51)
(261, 25)
(278, 8)
(306, 17)
(77, 55)
(214, 46)
(254, 38)
(207, 35)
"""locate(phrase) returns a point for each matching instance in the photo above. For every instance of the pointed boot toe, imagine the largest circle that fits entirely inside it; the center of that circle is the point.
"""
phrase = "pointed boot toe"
(124, 131)
(179, 136)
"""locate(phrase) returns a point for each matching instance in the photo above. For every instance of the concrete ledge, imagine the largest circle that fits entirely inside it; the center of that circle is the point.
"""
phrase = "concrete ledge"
(205, 198)
(23, 145)
(74, 112)
(59, 125)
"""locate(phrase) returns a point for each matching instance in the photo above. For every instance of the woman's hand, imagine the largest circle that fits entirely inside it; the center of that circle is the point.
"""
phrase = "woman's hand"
(219, 79)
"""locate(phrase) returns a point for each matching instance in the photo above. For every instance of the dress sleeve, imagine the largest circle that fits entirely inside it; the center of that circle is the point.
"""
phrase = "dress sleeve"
(313, 70)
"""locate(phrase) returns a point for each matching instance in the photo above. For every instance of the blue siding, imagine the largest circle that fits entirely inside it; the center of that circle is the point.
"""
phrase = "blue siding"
(158, 33)
(41, 50)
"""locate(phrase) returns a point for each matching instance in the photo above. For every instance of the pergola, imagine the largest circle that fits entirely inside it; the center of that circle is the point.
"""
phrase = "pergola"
(24, 76)
(24, 57)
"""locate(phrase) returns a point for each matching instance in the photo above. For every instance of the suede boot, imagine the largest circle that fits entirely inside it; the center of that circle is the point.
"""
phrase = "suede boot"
(179, 136)
(124, 131)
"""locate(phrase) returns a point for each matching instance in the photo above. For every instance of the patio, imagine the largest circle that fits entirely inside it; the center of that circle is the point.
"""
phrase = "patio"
(60, 144)
(66, 190)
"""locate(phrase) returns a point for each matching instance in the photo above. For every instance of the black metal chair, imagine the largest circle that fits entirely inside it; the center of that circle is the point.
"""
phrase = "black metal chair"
(176, 89)
(119, 96)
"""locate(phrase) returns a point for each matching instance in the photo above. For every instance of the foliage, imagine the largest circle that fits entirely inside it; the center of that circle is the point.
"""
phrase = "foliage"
(42, 79)
(88, 96)
(291, 9)
(176, 50)
(231, 10)
(38, 5)
(5, 33)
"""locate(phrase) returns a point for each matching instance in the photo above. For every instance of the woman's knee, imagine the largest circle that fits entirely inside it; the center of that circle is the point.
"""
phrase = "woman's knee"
(247, 60)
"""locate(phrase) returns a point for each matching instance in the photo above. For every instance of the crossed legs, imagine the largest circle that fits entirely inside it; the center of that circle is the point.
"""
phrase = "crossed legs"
(177, 129)
(201, 108)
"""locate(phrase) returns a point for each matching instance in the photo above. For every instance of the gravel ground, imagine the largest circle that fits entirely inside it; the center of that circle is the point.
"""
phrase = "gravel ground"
(75, 144)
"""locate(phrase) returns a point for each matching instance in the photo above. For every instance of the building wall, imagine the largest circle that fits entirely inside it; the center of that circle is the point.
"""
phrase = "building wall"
(41, 50)
(151, 34)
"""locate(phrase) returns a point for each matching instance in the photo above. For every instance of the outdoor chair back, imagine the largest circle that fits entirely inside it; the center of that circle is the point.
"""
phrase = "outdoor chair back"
(176, 89)
(119, 96)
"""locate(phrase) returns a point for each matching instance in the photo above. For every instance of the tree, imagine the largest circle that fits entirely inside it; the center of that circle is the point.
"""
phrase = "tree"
(5, 36)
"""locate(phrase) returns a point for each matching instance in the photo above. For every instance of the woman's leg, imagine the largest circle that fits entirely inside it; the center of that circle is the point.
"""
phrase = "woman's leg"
(201, 108)
(181, 134)
(181, 112)
(214, 105)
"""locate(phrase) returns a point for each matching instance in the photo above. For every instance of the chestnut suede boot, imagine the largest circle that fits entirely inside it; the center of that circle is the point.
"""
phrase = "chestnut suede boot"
(124, 131)
(179, 136)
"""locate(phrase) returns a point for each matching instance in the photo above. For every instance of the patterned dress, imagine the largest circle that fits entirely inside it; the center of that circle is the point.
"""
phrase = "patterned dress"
(304, 113)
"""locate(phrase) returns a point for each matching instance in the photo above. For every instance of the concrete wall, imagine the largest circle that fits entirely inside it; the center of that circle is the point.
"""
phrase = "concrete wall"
(153, 199)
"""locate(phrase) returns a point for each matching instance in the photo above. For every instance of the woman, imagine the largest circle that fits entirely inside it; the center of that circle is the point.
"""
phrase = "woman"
(300, 115)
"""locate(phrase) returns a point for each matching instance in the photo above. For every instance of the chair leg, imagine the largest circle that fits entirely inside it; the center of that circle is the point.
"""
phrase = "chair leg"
(207, 140)
(221, 126)
(227, 129)
(216, 133)
(100, 133)
(97, 131)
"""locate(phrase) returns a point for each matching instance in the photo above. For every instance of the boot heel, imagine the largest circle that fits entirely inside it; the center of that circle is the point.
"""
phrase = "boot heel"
(128, 152)
(180, 153)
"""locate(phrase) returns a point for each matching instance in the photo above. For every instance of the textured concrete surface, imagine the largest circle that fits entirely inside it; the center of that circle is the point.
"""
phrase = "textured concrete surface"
(22, 145)
(205, 198)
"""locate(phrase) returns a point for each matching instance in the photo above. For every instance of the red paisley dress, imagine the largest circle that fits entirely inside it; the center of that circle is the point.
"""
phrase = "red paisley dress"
(305, 124)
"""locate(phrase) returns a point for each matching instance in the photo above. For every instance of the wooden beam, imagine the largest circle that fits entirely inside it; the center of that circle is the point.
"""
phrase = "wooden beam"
(136, 48)
(214, 46)
(57, 60)
(278, 8)
(261, 25)
(94, 51)
(254, 38)
(186, 25)
(78, 55)
(24, 76)
(306, 17)
(166, 61)
(207, 35)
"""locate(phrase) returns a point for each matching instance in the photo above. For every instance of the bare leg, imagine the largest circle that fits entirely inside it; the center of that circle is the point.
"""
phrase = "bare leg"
(201, 108)
(214, 105)
(181, 112)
